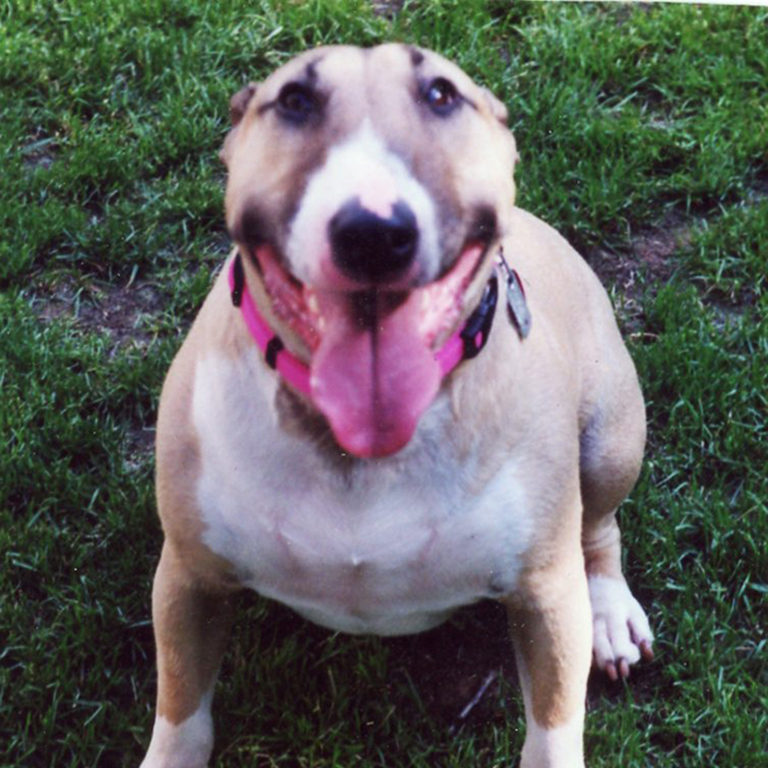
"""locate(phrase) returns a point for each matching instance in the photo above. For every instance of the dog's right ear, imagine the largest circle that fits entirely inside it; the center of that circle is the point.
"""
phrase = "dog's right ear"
(238, 104)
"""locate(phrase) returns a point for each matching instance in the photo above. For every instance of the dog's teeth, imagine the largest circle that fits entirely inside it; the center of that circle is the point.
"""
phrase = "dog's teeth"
(313, 305)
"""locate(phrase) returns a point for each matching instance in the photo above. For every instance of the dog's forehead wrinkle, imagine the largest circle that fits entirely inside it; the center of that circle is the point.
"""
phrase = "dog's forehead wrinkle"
(311, 69)
(417, 57)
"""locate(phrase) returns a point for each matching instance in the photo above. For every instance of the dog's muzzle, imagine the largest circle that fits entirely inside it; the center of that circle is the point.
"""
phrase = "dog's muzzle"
(374, 379)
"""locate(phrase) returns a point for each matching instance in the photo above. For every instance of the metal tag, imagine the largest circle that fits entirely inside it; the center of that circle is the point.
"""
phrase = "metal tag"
(517, 306)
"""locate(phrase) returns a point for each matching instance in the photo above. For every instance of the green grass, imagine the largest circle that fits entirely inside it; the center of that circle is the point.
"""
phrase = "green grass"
(629, 120)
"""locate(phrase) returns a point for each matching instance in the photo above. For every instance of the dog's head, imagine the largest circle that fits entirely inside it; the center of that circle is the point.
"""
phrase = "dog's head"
(368, 187)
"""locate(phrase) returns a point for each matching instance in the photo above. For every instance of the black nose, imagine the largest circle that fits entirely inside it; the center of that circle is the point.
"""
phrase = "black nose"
(370, 249)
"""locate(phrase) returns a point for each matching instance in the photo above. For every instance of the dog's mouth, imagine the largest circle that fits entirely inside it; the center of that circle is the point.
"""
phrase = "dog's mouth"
(373, 367)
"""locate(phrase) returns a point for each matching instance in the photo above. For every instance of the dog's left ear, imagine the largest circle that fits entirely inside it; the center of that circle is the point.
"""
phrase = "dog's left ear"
(240, 101)
(498, 110)
(238, 105)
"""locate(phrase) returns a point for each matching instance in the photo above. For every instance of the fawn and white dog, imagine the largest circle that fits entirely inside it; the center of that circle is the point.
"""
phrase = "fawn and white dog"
(402, 395)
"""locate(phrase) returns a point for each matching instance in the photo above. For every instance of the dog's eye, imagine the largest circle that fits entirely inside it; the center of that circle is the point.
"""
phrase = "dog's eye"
(296, 102)
(442, 96)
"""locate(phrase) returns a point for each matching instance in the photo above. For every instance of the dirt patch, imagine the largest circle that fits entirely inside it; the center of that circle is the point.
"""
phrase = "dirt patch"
(39, 153)
(139, 448)
(122, 312)
(465, 675)
(650, 262)
(650, 258)
(125, 314)
(387, 8)
(458, 670)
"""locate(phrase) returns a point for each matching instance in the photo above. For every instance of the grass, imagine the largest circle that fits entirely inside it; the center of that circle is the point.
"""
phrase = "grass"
(633, 122)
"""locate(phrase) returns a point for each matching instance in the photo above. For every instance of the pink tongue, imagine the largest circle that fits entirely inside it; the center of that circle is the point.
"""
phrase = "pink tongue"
(372, 384)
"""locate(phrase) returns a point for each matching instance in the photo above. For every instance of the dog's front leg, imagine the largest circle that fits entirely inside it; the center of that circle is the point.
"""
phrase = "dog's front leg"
(551, 632)
(191, 630)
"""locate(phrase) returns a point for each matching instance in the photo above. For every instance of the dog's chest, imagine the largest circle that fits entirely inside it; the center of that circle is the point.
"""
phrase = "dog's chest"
(388, 547)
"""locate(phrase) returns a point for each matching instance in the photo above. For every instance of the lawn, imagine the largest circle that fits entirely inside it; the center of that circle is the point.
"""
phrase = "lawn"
(643, 131)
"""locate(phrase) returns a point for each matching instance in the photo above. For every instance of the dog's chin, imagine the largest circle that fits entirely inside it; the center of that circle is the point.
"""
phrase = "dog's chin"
(373, 370)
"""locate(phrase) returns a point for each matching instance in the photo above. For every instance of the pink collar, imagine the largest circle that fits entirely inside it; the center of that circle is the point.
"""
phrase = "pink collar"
(465, 344)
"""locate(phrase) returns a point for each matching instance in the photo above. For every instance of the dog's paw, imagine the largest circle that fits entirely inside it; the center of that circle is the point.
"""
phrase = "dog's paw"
(621, 634)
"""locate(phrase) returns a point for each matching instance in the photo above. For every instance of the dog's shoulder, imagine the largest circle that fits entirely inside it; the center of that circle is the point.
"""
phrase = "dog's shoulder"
(565, 294)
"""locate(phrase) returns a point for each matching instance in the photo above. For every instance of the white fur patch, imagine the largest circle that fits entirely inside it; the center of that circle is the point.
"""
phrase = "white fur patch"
(360, 167)
(559, 747)
(387, 547)
(619, 624)
(185, 745)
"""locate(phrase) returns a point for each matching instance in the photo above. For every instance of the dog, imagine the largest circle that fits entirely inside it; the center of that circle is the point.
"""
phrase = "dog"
(402, 395)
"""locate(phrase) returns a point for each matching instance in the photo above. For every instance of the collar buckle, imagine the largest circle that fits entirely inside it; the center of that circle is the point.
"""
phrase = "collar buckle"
(475, 332)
